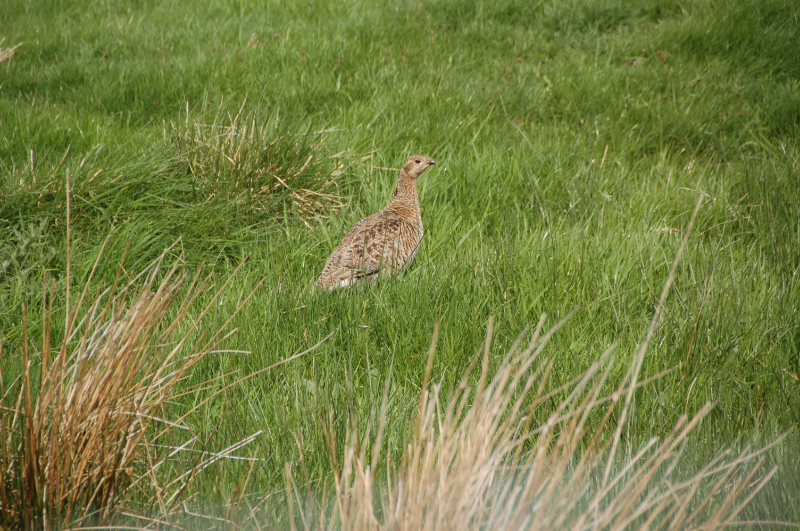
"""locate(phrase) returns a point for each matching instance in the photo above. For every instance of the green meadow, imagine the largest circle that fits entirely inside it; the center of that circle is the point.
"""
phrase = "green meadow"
(573, 140)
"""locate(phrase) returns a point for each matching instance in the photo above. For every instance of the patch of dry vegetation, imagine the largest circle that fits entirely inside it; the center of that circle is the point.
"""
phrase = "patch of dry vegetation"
(80, 443)
(479, 462)
(7, 53)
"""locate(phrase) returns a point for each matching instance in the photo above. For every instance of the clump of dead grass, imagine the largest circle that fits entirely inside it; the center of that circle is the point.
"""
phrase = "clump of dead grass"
(78, 442)
(248, 159)
(479, 461)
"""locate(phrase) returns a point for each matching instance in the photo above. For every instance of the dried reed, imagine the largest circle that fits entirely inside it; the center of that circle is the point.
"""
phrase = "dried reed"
(480, 462)
(73, 443)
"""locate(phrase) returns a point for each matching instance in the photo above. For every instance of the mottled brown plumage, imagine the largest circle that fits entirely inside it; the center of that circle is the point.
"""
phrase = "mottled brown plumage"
(386, 241)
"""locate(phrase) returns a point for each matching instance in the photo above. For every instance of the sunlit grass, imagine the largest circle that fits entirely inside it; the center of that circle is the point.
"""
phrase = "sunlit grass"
(573, 140)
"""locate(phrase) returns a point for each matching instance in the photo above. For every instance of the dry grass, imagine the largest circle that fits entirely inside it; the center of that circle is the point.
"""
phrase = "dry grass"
(250, 160)
(78, 445)
(8, 53)
(479, 462)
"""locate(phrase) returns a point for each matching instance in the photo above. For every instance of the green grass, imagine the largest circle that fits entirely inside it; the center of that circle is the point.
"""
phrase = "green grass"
(573, 139)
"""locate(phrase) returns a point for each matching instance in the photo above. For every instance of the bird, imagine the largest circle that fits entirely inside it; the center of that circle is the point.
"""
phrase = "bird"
(385, 242)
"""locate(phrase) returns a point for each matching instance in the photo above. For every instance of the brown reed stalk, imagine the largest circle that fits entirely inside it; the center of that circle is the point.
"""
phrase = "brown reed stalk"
(76, 439)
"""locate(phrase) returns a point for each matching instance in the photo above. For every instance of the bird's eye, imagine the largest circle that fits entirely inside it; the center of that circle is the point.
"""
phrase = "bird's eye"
(417, 161)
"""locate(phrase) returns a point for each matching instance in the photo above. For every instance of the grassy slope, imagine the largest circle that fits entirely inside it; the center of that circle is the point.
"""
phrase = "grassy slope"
(571, 154)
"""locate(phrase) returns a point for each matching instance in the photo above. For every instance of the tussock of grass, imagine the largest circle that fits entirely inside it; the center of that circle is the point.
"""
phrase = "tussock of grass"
(249, 160)
(78, 445)
(478, 461)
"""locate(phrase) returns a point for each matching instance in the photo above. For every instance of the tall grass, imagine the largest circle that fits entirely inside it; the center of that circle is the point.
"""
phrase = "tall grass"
(478, 461)
(247, 159)
(80, 444)
(573, 138)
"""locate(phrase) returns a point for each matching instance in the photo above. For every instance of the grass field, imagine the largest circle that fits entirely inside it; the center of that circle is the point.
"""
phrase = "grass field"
(573, 140)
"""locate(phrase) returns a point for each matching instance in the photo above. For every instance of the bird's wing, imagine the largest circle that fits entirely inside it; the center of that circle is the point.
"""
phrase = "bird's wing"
(369, 245)
(372, 243)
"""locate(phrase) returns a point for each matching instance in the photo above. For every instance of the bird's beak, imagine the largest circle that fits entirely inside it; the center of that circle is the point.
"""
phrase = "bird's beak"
(432, 162)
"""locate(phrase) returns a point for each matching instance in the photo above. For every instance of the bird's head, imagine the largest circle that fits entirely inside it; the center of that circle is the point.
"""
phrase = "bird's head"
(416, 164)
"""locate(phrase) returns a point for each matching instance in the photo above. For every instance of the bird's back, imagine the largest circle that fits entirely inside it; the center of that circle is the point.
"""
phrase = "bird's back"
(380, 244)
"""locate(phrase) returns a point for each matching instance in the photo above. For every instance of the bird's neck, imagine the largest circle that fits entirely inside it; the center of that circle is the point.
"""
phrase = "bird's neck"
(406, 189)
